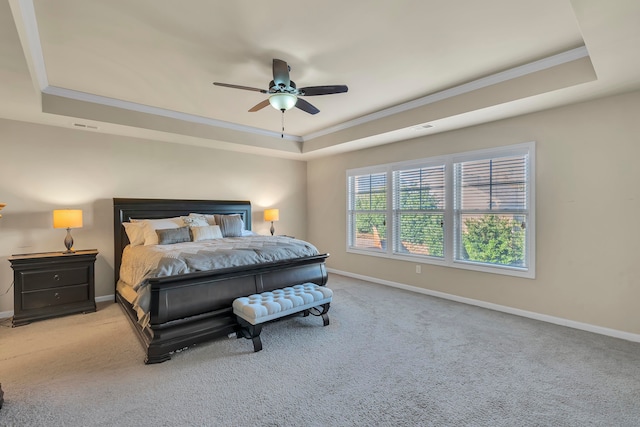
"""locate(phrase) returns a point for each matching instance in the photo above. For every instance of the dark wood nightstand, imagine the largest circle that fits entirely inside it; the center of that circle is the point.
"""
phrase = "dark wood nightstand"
(52, 284)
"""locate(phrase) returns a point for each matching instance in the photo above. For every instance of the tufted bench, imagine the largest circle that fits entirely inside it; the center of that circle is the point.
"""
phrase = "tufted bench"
(254, 310)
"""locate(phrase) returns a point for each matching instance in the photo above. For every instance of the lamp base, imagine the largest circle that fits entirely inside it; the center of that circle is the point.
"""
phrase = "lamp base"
(68, 242)
(272, 229)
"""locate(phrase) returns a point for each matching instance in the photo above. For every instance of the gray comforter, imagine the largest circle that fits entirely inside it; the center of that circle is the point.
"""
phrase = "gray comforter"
(139, 263)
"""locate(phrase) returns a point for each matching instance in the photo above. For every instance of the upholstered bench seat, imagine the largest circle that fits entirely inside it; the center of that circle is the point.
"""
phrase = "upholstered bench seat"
(254, 310)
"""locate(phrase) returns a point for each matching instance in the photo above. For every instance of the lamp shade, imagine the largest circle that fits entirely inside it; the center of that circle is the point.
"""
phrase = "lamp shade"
(67, 218)
(283, 101)
(271, 214)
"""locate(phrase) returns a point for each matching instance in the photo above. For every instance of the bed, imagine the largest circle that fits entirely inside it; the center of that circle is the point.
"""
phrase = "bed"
(193, 307)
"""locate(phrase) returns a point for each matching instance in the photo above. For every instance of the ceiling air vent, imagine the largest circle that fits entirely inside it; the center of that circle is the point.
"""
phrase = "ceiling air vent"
(83, 126)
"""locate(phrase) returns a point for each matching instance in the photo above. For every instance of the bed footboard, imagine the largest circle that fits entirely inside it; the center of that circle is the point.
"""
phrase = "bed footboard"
(176, 322)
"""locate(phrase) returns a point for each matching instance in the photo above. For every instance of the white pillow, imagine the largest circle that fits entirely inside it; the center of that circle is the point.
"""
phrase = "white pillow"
(195, 221)
(135, 232)
(209, 219)
(207, 232)
(151, 225)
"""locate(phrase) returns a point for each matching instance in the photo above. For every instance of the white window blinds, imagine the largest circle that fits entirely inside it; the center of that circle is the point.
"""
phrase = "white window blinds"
(418, 210)
(492, 184)
(367, 211)
(491, 210)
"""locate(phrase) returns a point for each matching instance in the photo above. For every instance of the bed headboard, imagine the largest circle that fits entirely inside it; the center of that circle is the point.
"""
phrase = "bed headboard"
(126, 209)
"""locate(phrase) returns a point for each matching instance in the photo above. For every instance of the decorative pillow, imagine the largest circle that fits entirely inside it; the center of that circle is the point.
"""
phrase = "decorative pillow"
(195, 220)
(231, 225)
(207, 232)
(169, 236)
(217, 219)
(135, 232)
(151, 225)
(209, 219)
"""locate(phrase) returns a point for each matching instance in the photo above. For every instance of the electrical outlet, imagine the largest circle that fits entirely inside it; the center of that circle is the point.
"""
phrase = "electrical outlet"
(418, 269)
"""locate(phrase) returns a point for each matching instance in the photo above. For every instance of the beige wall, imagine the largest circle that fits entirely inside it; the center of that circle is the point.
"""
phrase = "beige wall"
(587, 210)
(44, 168)
(588, 200)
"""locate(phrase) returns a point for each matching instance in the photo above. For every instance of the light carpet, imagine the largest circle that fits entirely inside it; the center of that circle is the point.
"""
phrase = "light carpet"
(389, 358)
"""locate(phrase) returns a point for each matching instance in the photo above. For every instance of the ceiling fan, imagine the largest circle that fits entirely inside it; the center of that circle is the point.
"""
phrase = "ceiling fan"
(283, 93)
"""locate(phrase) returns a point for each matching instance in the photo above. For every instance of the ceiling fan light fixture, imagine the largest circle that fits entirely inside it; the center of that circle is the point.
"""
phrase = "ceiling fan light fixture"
(283, 101)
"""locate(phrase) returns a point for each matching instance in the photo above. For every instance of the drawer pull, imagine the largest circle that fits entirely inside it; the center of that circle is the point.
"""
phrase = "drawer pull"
(56, 295)
(56, 277)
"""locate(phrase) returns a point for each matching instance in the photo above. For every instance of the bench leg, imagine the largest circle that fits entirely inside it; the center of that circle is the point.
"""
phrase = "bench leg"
(257, 343)
(321, 310)
(251, 332)
(325, 319)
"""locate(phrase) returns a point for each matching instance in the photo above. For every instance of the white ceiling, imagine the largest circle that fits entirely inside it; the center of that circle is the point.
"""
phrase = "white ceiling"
(145, 68)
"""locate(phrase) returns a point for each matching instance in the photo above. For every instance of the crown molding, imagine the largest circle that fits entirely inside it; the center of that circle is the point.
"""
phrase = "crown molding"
(156, 111)
(510, 74)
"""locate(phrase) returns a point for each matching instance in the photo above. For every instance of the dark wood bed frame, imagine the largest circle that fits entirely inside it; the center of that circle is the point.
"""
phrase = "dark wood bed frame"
(196, 307)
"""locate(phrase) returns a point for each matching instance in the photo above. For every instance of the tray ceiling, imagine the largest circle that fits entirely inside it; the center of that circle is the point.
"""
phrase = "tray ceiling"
(144, 68)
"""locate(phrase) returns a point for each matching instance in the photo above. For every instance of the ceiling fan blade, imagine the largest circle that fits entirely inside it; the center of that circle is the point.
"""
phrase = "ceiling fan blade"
(240, 87)
(322, 90)
(305, 106)
(259, 106)
(281, 73)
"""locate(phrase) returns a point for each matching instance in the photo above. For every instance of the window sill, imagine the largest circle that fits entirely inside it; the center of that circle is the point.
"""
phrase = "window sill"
(527, 273)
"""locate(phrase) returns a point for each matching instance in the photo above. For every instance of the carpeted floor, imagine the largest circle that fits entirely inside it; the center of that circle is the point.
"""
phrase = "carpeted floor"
(388, 358)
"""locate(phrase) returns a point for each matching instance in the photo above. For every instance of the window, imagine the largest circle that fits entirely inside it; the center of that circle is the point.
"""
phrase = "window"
(490, 210)
(418, 211)
(367, 209)
(469, 210)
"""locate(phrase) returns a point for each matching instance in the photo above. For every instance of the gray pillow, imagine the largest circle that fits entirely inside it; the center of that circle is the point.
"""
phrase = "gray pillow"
(170, 236)
(231, 225)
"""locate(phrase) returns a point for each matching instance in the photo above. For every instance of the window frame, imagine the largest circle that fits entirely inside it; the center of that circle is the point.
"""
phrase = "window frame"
(452, 236)
(406, 166)
(351, 212)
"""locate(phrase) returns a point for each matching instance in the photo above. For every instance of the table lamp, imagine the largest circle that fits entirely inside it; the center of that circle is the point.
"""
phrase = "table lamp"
(272, 215)
(2, 205)
(67, 218)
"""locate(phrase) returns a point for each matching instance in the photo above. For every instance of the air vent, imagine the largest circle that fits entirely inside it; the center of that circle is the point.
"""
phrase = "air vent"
(83, 126)
(422, 127)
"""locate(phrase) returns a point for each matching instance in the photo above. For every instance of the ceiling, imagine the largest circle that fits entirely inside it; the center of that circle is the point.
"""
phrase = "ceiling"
(145, 68)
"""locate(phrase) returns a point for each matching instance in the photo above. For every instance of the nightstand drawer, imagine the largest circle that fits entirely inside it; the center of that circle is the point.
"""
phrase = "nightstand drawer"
(55, 296)
(54, 278)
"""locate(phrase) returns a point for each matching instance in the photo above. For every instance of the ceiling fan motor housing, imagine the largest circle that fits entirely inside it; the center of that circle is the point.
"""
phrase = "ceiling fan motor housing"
(274, 88)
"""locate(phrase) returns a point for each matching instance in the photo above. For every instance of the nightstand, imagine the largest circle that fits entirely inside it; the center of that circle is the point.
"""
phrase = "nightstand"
(52, 284)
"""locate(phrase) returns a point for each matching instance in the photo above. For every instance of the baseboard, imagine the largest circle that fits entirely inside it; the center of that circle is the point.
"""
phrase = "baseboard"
(6, 314)
(106, 298)
(503, 308)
